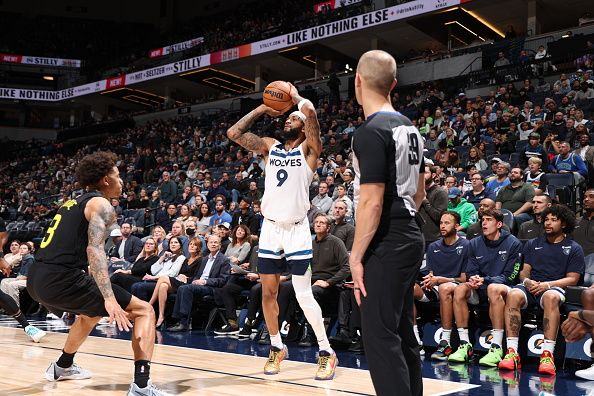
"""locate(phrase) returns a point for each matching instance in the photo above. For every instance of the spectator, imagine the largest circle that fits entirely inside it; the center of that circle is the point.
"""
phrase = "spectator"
(223, 230)
(435, 202)
(169, 264)
(239, 248)
(254, 194)
(567, 162)
(14, 258)
(535, 228)
(178, 230)
(341, 229)
(246, 216)
(212, 273)
(476, 229)
(446, 264)
(534, 173)
(501, 180)
(584, 230)
(341, 195)
(533, 149)
(168, 189)
(459, 205)
(141, 267)
(551, 263)
(127, 249)
(585, 150)
(330, 267)
(185, 214)
(165, 218)
(322, 201)
(167, 285)
(493, 263)
(475, 157)
(516, 197)
(501, 60)
(204, 216)
(13, 286)
(478, 191)
(220, 216)
(158, 234)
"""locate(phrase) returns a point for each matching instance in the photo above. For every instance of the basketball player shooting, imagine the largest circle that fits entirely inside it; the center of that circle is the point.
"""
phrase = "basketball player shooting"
(74, 242)
(285, 239)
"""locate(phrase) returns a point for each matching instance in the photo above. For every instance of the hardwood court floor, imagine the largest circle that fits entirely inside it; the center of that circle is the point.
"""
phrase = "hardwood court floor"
(179, 370)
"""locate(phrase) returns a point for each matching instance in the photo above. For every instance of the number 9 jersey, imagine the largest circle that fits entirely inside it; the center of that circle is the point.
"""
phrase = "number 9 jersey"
(288, 177)
(66, 239)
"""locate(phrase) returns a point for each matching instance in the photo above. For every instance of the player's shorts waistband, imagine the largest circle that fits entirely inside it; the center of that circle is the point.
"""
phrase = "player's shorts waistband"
(286, 222)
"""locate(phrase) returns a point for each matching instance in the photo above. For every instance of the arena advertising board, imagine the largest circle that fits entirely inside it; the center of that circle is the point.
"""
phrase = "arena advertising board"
(170, 49)
(333, 4)
(343, 26)
(39, 61)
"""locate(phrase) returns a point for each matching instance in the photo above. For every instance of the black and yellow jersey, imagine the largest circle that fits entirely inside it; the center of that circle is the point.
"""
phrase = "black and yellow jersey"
(65, 241)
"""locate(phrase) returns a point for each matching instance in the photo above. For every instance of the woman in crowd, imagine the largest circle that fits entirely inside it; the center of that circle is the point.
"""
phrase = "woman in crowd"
(140, 268)
(240, 245)
(475, 157)
(178, 230)
(168, 265)
(204, 215)
(168, 284)
(185, 213)
(14, 257)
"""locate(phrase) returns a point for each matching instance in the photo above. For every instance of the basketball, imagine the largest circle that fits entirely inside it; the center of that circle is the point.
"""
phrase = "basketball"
(277, 95)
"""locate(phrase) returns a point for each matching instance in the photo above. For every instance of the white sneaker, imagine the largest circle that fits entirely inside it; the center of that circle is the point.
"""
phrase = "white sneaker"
(51, 316)
(35, 333)
(74, 372)
(587, 374)
(150, 390)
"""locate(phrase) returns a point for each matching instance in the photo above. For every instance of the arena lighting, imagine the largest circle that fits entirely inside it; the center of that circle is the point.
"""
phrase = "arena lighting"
(307, 58)
(138, 99)
(483, 21)
(287, 50)
(210, 81)
(218, 71)
(48, 78)
(458, 23)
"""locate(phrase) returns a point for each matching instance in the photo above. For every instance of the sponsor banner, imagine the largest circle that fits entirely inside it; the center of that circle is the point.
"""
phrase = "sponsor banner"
(29, 94)
(230, 54)
(170, 49)
(40, 61)
(330, 5)
(115, 82)
(168, 70)
(580, 349)
(352, 24)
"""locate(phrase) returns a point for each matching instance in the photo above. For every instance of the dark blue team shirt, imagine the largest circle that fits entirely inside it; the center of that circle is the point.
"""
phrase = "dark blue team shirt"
(552, 261)
(448, 261)
(496, 261)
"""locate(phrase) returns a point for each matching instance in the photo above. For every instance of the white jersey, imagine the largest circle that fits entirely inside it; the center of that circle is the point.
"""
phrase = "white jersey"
(286, 189)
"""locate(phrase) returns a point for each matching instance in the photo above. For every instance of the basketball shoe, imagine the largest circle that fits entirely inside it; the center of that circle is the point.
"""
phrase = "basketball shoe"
(150, 390)
(275, 358)
(35, 333)
(74, 372)
(327, 363)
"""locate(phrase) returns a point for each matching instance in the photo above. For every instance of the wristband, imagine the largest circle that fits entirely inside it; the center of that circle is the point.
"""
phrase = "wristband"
(581, 315)
(302, 102)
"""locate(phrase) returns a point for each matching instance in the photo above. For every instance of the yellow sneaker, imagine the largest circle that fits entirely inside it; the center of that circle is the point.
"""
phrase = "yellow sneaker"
(275, 358)
(326, 365)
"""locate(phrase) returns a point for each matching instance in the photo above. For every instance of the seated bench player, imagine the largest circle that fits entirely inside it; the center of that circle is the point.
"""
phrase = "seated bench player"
(446, 261)
(551, 263)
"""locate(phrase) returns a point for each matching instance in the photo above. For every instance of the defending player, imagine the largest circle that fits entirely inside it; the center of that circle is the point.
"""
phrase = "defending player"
(285, 239)
(74, 242)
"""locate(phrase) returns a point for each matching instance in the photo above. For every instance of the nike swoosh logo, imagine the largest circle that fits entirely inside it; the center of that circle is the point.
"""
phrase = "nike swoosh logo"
(435, 251)
(479, 257)
(538, 248)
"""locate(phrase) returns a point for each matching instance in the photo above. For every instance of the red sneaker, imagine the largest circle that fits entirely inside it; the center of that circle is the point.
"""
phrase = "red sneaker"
(511, 361)
(547, 364)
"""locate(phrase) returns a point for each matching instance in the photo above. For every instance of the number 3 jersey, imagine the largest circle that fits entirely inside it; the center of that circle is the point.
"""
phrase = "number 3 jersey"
(389, 150)
(288, 177)
(66, 239)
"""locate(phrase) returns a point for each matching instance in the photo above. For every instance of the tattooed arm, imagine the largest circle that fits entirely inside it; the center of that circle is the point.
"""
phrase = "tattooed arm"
(312, 128)
(250, 141)
(101, 217)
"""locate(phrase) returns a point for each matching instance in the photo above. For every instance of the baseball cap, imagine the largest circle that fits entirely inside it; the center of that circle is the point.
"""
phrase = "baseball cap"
(454, 192)
(115, 233)
(226, 225)
(496, 159)
(535, 135)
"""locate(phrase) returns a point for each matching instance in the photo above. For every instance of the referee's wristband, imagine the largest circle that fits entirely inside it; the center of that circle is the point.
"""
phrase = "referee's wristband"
(302, 102)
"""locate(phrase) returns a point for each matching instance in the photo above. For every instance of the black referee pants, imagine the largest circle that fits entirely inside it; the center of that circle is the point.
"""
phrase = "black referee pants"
(386, 315)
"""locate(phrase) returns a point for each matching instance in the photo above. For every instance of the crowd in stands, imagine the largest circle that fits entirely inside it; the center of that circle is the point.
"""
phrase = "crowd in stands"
(499, 169)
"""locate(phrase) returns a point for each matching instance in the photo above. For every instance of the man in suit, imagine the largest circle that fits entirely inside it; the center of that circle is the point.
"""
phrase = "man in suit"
(212, 273)
(126, 249)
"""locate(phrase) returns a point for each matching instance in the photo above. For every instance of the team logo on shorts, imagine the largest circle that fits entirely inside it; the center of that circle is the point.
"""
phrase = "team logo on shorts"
(566, 250)
(459, 250)
(485, 339)
(503, 255)
(535, 343)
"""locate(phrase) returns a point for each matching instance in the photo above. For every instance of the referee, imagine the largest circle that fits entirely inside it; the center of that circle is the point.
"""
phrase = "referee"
(388, 246)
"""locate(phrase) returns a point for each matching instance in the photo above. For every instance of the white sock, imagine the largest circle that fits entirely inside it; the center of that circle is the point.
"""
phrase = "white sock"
(276, 341)
(446, 334)
(548, 345)
(424, 298)
(417, 336)
(311, 308)
(512, 342)
(463, 334)
(497, 337)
